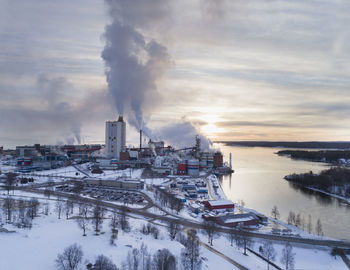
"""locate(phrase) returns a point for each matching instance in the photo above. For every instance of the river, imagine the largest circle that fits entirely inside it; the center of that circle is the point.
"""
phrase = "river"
(258, 181)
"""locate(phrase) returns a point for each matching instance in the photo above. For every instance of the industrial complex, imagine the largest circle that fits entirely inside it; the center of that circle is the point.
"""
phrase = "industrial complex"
(189, 174)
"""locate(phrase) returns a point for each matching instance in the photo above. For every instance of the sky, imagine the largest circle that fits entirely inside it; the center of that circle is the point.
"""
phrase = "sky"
(230, 70)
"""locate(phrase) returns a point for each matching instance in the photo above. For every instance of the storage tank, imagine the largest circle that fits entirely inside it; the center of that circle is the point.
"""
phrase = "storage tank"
(20, 161)
(27, 161)
(114, 162)
(203, 164)
(210, 161)
(182, 168)
(193, 167)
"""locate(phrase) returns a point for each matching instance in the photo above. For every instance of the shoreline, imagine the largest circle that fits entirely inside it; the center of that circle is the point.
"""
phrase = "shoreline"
(339, 197)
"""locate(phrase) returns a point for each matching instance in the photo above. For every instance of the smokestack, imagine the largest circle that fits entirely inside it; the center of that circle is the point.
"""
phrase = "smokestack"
(140, 140)
(120, 119)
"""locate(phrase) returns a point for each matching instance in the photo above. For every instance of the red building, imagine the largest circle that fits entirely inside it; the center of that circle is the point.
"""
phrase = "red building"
(182, 169)
(232, 220)
(222, 204)
(218, 160)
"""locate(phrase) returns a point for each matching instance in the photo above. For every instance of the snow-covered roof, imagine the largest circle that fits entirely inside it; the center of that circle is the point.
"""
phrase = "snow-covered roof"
(221, 202)
(237, 218)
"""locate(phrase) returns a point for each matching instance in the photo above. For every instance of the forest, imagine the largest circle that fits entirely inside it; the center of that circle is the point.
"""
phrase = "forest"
(335, 180)
(329, 156)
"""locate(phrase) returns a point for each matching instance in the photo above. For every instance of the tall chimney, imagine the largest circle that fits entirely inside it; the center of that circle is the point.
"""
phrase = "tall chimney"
(140, 140)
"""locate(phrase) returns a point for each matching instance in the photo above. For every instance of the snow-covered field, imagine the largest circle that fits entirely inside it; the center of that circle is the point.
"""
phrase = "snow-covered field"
(306, 257)
(38, 248)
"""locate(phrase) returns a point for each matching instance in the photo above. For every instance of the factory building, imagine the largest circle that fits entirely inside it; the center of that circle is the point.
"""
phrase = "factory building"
(221, 204)
(233, 220)
(117, 183)
(115, 138)
(25, 151)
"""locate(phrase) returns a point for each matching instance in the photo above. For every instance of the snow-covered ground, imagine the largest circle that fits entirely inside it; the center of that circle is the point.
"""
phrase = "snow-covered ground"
(305, 256)
(345, 199)
(49, 236)
(38, 248)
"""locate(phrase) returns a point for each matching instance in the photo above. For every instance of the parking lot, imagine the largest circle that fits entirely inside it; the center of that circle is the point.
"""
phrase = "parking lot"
(107, 193)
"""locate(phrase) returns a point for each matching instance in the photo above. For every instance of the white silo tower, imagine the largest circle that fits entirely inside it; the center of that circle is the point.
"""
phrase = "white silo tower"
(115, 137)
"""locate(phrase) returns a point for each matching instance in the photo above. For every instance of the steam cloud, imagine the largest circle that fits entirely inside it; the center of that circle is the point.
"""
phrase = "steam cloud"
(52, 89)
(135, 61)
(182, 134)
(134, 64)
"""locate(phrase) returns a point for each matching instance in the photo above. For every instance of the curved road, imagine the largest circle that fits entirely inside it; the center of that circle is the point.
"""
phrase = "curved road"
(197, 225)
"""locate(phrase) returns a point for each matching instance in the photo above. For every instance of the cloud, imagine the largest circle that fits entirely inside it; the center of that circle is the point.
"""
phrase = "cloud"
(55, 118)
(271, 68)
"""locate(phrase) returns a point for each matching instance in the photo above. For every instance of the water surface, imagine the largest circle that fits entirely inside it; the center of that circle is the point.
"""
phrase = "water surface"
(258, 180)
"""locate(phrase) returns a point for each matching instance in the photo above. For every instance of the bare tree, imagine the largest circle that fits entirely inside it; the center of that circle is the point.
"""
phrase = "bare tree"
(133, 259)
(33, 207)
(318, 228)
(303, 223)
(268, 251)
(9, 205)
(210, 230)
(190, 255)
(104, 263)
(48, 192)
(113, 225)
(21, 205)
(84, 209)
(46, 208)
(123, 221)
(114, 222)
(298, 220)
(179, 205)
(155, 232)
(70, 258)
(97, 216)
(174, 228)
(243, 240)
(275, 213)
(309, 224)
(288, 257)
(145, 255)
(83, 223)
(10, 181)
(59, 206)
(164, 260)
(68, 208)
(232, 235)
(291, 217)
(242, 204)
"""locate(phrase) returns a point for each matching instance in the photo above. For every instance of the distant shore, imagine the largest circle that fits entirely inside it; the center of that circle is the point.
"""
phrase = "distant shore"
(335, 157)
(290, 144)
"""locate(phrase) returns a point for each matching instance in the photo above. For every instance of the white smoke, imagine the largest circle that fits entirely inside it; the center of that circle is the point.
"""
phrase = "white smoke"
(134, 63)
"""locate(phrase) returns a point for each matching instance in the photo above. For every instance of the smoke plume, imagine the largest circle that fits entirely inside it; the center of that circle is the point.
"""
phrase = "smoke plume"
(52, 90)
(134, 62)
(182, 134)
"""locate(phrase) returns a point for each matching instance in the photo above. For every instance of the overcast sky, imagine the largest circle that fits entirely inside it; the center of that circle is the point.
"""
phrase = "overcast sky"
(235, 70)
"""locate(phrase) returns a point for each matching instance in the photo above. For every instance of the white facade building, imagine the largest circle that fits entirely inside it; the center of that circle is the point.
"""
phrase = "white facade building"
(115, 137)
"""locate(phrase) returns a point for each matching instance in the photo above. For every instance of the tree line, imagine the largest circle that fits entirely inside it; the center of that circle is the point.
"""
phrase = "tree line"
(334, 180)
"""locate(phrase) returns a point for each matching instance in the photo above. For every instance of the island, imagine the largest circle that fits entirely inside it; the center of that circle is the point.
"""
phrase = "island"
(334, 182)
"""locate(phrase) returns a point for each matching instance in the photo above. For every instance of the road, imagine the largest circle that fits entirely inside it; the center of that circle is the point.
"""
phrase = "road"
(197, 225)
